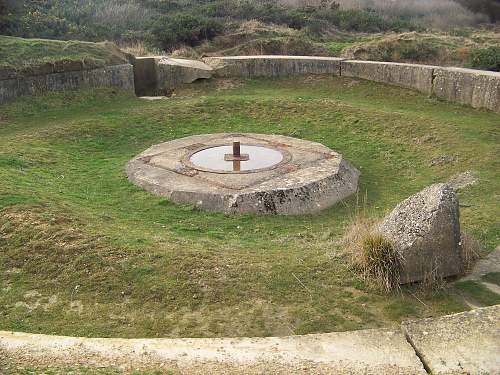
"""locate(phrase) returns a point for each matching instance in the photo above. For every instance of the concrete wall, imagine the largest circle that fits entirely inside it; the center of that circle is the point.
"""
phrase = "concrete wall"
(272, 66)
(477, 88)
(119, 76)
(412, 76)
(156, 75)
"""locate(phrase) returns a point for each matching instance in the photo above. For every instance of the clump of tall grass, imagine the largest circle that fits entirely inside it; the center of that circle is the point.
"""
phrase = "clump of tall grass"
(372, 255)
(471, 250)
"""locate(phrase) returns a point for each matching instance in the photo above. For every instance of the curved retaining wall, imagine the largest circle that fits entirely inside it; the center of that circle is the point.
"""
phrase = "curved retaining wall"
(119, 76)
(477, 88)
(464, 343)
(273, 66)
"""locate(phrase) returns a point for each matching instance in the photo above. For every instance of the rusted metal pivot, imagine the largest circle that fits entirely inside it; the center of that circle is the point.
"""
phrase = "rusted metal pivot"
(236, 149)
(236, 155)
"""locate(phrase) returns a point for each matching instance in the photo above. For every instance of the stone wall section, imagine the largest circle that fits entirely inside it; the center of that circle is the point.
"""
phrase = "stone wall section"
(119, 76)
(412, 76)
(477, 88)
(272, 66)
(155, 74)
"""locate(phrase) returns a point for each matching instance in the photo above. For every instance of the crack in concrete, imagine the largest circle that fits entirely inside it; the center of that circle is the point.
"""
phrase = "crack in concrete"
(419, 355)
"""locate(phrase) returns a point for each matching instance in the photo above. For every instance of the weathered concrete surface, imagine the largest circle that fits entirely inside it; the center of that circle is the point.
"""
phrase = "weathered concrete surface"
(314, 177)
(378, 351)
(465, 343)
(426, 229)
(119, 76)
(412, 76)
(158, 74)
(477, 88)
(272, 65)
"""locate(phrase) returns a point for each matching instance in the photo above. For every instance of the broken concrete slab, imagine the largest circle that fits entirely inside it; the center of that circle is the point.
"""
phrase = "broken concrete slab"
(379, 351)
(464, 343)
(272, 65)
(413, 76)
(477, 88)
(426, 230)
(156, 75)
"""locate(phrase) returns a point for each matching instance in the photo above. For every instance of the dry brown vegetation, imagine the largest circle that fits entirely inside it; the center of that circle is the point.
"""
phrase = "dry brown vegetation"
(372, 255)
(472, 250)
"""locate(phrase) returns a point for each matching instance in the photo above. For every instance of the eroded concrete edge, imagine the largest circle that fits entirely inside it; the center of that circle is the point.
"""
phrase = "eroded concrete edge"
(463, 343)
(379, 351)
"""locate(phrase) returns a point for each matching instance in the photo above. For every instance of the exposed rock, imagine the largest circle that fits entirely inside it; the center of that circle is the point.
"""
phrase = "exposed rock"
(463, 180)
(426, 229)
(442, 159)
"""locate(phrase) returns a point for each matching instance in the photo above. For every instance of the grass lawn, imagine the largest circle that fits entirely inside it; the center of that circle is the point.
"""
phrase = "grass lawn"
(84, 252)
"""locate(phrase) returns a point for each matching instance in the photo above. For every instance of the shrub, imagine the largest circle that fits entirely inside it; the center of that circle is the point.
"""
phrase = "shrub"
(418, 51)
(485, 58)
(171, 32)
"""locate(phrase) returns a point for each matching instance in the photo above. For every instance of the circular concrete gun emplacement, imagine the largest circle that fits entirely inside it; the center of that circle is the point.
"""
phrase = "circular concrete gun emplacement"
(245, 173)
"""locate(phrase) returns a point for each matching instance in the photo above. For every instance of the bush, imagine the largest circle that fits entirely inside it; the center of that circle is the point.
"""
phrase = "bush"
(171, 32)
(486, 59)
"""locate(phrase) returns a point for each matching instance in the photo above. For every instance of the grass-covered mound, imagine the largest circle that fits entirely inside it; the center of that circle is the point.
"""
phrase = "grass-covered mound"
(84, 252)
(29, 56)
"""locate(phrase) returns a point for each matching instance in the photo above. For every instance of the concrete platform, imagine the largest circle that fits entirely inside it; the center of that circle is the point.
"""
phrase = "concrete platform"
(310, 177)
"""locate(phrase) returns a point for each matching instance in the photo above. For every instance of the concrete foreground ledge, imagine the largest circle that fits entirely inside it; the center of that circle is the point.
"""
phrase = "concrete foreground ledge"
(464, 343)
(361, 352)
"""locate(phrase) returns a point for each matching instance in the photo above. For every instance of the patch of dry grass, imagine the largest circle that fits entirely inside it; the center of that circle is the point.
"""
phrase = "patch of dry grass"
(471, 250)
(373, 255)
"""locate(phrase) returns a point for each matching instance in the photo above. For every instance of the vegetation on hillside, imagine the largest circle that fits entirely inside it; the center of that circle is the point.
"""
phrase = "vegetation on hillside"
(191, 28)
(19, 54)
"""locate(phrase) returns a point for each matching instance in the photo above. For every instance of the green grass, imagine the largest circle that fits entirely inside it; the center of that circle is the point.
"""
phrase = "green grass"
(20, 53)
(84, 252)
(492, 277)
(478, 293)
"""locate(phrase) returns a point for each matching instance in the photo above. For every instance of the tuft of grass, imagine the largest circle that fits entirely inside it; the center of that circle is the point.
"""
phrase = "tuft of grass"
(471, 250)
(374, 256)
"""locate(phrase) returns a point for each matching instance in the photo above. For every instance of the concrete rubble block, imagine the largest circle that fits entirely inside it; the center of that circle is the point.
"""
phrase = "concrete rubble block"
(272, 66)
(412, 76)
(464, 343)
(477, 88)
(155, 74)
(378, 351)
(426, 230)
(119, 76)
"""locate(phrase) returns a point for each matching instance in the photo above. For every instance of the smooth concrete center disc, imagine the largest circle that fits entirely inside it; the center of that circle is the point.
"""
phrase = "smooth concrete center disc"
(282, 175)
(212, 159)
